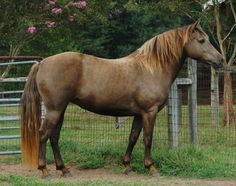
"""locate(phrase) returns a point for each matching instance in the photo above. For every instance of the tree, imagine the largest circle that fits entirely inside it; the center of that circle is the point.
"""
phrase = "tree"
(23, 20)
(220, 17)
(15, 16)
(225, 18)
(125, 26)
(104, 28)
(75, 30)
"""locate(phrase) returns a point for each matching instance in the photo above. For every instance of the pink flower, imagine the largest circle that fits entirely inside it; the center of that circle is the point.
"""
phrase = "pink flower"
(56, 10)
(51, 2)
(31, 29)
(80, 4)
(50, 24)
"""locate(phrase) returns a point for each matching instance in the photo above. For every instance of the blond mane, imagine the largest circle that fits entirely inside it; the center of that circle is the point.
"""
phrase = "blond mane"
(163, 49)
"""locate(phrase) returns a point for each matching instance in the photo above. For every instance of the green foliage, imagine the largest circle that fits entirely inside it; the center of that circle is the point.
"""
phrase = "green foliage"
(108, 29)
(15, 17)
(124, 29)
(50, 43)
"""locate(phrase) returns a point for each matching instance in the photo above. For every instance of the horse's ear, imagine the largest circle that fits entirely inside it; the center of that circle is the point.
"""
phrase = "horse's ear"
(195, 25)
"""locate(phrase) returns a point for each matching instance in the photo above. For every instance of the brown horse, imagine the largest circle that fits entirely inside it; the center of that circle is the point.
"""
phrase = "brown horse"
(136, 85)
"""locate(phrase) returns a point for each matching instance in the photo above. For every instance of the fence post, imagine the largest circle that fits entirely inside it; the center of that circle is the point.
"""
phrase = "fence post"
(214, 98)
(173, 116)
(192, 100)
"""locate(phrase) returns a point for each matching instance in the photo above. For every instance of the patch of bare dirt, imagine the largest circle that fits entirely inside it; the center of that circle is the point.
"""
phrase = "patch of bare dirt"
(103, 174)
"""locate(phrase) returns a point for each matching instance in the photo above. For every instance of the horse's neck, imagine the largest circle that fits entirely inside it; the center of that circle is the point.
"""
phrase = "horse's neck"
(168, 74)
(176, 68)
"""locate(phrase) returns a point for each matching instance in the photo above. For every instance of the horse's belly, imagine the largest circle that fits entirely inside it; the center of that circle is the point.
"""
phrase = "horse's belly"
(114, 112)
(106, 108)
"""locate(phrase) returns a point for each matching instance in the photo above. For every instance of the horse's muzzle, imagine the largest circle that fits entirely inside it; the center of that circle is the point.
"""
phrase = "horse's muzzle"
(218, 64)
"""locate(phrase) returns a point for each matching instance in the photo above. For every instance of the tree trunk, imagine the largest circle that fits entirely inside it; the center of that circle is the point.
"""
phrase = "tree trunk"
(229, 118)
(14, 51)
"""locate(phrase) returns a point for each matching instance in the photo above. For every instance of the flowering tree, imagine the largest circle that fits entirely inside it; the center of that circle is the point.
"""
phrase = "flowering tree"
(57, 13)
(22, 20)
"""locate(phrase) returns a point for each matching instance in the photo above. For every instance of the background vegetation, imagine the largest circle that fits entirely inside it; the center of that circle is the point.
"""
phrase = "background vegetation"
(104, 28)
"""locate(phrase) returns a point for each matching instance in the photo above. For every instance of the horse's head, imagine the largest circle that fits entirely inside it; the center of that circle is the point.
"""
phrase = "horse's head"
(199, 47)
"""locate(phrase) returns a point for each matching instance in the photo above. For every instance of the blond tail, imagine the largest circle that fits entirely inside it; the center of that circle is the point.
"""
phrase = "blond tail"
(30, 111)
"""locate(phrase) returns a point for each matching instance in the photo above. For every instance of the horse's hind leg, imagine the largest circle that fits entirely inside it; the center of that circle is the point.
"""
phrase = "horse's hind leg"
(51, 119)
(55, 147)
(134, 134)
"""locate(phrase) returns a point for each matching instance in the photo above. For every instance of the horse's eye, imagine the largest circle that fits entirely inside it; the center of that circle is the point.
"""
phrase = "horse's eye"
(202, 40)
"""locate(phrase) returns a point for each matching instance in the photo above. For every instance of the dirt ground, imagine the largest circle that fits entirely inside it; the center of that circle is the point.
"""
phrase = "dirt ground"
(103, 174)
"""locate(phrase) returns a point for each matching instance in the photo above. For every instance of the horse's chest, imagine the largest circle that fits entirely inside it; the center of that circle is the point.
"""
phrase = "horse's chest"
(152, 96)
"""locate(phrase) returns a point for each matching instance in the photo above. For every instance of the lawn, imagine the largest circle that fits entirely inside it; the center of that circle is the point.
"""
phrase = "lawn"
(92, 141)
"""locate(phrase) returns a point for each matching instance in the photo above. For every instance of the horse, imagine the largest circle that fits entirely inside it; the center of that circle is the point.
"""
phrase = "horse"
(135, 85)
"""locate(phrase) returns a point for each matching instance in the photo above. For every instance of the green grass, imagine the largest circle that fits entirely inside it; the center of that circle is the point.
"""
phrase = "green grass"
(188, 161)
(91, 141)
(22, 181)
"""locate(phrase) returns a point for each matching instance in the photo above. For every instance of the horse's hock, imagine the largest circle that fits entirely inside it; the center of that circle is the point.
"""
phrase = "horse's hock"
(184, 121)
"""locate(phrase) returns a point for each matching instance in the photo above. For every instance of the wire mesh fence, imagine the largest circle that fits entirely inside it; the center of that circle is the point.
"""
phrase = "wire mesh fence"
(92, 130)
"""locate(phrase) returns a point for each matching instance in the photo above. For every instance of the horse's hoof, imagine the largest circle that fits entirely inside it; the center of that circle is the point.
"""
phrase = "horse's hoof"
(157, 174)
(45, 174)
(66, 175)
(66, 172)
(153, 171)
(130, 173)
(128, 170)
(47, 177)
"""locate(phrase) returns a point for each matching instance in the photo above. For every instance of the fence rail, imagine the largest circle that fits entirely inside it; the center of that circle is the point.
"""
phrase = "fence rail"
(10, 152)
(9, 100)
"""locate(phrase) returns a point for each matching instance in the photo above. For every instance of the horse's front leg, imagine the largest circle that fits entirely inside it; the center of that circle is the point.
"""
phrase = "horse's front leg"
(134, 134)
(148, 119)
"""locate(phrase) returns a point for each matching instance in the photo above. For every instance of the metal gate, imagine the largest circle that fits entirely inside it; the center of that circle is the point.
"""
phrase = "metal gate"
(11, 88)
